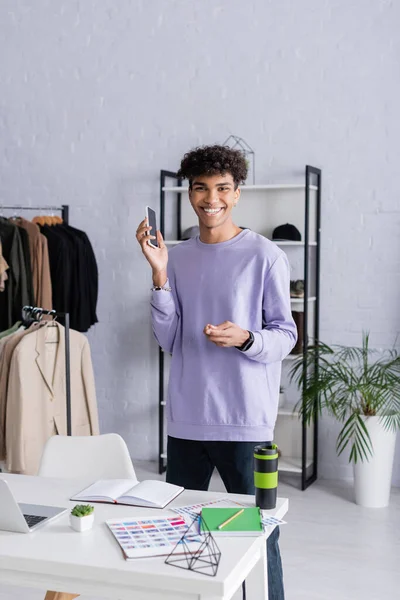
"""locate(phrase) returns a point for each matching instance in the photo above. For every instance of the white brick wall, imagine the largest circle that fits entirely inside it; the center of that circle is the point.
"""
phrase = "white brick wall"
(97, 96)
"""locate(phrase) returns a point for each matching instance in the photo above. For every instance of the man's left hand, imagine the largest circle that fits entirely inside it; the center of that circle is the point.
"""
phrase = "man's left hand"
(226, 334)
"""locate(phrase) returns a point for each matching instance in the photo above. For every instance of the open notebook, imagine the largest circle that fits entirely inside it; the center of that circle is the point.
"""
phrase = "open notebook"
(156, 494)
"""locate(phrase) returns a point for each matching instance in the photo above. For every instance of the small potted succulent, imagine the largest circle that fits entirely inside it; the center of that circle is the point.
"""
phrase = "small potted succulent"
(82, 517)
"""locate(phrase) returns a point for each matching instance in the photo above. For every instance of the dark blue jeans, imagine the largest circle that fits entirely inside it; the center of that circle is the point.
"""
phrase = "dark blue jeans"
(191, 463)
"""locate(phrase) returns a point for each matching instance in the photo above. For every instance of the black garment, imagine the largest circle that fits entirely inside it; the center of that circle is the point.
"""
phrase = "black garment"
(91, 273)
(23, 234)
(60, 267)
(75, 295)
(74, 274)
(16, 294)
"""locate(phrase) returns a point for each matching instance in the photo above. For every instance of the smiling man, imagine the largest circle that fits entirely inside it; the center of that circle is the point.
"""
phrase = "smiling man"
(221, 307)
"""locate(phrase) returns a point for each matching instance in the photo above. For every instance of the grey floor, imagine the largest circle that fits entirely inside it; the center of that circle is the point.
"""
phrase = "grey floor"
(331, 548)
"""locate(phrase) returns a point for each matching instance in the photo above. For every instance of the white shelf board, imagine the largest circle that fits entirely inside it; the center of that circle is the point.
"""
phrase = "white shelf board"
(310, 299)
(290, 464)
(292, 356)
(287, 464)
(174, 242)
(288, 243)
(251, 188)
(288, 357)
(287, 413)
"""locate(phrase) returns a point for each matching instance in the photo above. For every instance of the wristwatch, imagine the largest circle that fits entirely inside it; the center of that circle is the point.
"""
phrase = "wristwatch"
(247, 344)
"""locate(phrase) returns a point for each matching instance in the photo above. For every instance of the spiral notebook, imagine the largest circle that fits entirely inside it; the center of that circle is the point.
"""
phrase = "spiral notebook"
(247, 523)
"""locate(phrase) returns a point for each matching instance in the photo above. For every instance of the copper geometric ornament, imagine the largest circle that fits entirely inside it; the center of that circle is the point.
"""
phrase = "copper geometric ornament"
(236, 142)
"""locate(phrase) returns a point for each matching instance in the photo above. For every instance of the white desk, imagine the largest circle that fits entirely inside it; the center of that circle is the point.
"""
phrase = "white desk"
(56, 557)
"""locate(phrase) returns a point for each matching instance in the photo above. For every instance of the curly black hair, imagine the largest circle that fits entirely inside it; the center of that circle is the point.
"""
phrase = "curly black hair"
(214, 160)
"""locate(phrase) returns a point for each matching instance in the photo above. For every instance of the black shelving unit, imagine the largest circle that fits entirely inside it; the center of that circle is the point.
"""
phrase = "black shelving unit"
(313, 178)
(313, 175)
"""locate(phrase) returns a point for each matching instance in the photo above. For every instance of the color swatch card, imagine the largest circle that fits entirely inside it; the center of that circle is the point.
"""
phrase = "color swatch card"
(271, 521)
(150, 536)
(191, 511)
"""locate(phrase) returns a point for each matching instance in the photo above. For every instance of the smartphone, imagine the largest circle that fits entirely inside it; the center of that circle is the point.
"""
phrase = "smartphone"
(152, 222)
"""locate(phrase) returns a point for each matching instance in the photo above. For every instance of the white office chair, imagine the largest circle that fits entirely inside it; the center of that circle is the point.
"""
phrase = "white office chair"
(88, 457)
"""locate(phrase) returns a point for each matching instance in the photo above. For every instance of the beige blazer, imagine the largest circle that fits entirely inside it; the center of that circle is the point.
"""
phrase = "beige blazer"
(36, 397)
(6, 352)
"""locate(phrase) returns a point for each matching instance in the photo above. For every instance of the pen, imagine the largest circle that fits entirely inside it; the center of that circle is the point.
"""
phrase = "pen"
(239, 512)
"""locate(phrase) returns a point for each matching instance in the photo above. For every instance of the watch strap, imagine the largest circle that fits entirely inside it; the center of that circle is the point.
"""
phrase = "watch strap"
(247, 344)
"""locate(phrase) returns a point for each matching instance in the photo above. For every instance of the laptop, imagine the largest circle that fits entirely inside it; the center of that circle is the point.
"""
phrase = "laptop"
(23, 518)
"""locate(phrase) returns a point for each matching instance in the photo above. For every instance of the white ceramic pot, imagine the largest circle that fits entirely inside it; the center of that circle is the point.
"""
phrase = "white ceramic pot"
(372, 479)
(81, 523)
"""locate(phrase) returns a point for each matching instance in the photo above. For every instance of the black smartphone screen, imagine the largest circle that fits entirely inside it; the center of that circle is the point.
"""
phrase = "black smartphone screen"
(151, 216)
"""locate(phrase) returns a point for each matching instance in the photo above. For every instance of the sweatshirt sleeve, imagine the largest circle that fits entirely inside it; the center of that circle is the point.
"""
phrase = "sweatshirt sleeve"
(164, 317)
(279, 334)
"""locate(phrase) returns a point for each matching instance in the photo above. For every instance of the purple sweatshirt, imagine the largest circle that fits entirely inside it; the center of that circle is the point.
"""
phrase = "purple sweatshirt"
(218, 393)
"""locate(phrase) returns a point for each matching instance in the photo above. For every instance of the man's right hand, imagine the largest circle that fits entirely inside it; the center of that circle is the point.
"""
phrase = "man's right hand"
(157, 257)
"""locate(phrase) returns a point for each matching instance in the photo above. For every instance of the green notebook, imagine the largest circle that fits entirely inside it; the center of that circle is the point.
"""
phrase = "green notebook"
(246, 524)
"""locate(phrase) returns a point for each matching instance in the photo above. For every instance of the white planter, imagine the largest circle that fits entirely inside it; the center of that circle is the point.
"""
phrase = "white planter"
(81, 523)
(372, 479)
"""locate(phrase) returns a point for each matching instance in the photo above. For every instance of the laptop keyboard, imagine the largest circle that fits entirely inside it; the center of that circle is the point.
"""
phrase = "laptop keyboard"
(33, 520)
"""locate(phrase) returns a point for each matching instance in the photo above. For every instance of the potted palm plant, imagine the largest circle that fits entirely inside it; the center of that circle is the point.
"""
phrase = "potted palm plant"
(360, 387)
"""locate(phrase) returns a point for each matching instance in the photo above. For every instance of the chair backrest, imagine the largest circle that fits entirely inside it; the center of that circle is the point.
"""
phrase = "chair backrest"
(87, 457)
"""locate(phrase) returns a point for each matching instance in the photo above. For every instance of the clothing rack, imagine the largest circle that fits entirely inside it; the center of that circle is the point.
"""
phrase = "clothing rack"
(64, 208)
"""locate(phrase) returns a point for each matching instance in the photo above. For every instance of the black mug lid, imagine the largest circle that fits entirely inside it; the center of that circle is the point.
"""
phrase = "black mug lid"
(265, 450)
